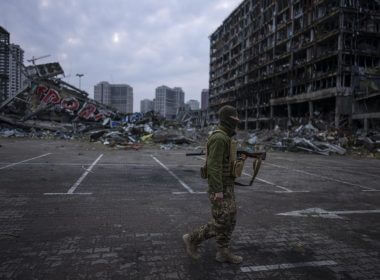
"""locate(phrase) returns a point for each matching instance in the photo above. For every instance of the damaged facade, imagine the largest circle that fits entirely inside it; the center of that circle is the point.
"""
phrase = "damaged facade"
(48, 103)
(280, 60)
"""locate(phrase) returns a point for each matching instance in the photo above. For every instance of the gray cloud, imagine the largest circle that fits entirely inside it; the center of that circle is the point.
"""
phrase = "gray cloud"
(144, 43)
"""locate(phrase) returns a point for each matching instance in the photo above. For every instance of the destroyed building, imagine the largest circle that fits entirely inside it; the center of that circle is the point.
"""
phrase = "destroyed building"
(46, 102)
(285, 59)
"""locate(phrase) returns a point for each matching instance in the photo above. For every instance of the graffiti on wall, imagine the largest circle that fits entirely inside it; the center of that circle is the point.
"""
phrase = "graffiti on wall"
(88, 111)
(70, 104)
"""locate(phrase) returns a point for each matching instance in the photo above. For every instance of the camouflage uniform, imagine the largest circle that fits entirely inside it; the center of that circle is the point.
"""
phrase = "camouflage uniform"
(223, 212)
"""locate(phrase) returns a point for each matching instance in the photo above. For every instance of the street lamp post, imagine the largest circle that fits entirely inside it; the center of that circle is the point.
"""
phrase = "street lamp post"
(80, 78)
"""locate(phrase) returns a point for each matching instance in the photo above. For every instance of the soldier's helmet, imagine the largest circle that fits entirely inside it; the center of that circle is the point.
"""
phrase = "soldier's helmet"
(228, 117)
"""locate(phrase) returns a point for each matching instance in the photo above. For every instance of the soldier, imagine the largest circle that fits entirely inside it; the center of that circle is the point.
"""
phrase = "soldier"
(220, 191)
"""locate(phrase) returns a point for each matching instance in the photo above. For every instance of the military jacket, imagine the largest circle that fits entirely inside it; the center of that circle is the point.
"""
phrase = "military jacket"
(218, 164)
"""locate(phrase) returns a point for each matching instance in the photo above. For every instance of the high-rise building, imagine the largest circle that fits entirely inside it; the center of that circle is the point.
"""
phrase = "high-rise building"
(122, 98)
(204, 103)
(166, 102)
(102, 93)
(180, 96)
(16, 61)
(119, 96)
(146, 105)
(194, 104)
(279, 60)
(4, 63)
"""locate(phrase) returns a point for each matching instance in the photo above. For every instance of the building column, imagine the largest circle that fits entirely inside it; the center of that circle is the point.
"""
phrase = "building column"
(272, 117)
(246, 115)
(289, 115)
(366, 125)
(337, 112)
(311, 110)
(289, 111)
(258, 112)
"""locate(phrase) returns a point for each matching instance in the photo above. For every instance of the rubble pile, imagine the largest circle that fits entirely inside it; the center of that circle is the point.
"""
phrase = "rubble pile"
(49, 108)
(309, 138)
(147, 130)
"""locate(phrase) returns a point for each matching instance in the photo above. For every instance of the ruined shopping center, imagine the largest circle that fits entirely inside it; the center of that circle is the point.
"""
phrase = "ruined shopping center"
(48, 103)
(277, 61)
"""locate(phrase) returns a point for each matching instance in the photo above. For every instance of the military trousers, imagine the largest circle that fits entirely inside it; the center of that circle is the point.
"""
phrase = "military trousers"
(222, 223)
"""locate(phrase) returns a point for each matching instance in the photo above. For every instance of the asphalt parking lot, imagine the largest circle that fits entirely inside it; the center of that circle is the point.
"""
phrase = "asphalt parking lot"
(73, 210)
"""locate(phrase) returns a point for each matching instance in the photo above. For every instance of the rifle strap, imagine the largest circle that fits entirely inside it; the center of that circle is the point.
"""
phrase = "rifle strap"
(256, 167)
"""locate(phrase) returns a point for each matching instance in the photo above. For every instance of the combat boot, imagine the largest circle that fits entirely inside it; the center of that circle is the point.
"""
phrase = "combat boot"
(191, 247)
(225, 255)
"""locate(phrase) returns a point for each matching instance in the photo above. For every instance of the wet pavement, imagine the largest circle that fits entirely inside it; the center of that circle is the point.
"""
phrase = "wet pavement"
(75, 210)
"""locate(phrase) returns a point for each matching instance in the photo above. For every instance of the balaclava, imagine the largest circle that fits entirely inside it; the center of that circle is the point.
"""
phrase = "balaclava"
(225, 114)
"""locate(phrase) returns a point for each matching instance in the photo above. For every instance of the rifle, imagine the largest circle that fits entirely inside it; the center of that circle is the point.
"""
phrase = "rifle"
(258, 156)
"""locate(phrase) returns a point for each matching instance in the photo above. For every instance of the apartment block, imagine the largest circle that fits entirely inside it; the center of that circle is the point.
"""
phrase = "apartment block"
(281, 59)
(180, 96)
(146, 105)
(4, 64)
(166, 102)
(194, 104)
(122, 98)
(16, 62)
(102, 93)
(119, 96)
(204, 99)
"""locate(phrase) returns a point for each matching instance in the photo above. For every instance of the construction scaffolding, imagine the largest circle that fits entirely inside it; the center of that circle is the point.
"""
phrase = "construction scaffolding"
(284, 59)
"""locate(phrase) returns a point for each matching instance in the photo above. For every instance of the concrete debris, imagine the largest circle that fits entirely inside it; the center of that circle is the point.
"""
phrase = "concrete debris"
(252, 140)
(50, 108)
(11, 132)
(317, 137)
(168, 147)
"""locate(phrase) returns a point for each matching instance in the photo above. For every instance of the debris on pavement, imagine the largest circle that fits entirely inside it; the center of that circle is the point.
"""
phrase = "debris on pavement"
(319, 139)
(49, 108)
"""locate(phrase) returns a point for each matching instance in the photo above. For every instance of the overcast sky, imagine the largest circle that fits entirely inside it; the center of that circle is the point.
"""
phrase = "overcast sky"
(146, 43)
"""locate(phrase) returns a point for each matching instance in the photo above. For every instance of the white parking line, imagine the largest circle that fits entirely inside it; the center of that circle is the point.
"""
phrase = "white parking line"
(179, 193)
(324, 177)
(13, 164)
(190, 190)
(101, 164)
(269, 183)
(67, 193)
(286, 266)
(79, 181)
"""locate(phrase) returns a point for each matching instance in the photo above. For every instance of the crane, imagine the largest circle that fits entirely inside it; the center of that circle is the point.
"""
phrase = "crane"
(33, 59)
